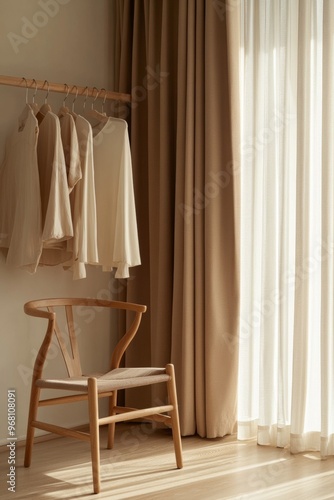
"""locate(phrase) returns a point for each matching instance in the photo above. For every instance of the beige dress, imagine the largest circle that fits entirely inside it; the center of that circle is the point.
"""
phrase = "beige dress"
(56, 209)
(20, 202)
(84, 242)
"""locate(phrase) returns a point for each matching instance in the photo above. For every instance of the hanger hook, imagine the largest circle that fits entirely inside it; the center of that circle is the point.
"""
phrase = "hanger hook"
(97, 95)
(27, 88)
(85, 90)
(33, 97)
(67, 92)
(104, 99)
(47, 92)
(76, 95)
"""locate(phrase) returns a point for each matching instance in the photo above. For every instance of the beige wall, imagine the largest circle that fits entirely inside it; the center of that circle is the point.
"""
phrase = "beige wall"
(63, 41)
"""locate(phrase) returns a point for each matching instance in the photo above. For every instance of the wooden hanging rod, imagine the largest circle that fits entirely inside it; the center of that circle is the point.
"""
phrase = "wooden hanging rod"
(63, 88)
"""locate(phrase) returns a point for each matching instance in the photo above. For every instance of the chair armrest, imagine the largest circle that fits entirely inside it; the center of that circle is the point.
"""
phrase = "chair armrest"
(31, 310)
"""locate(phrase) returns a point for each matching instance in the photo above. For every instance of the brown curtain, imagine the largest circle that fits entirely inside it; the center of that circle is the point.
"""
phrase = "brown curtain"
(178, 61)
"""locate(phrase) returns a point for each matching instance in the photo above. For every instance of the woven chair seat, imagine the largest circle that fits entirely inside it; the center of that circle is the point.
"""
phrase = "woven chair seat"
(120, 378)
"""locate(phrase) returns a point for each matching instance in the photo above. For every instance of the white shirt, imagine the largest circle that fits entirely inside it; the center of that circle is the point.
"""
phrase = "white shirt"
(117, 235)
(20, 203)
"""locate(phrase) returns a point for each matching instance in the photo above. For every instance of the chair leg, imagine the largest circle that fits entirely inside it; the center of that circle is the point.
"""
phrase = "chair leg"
(33, 408)
(94, 431)
(111, 427)
(171, 388)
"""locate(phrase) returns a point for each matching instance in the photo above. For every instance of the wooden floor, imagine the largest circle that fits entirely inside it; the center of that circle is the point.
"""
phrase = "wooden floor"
(142, 466)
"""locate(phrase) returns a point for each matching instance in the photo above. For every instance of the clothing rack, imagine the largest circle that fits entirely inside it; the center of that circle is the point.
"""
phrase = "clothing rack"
(63, 88)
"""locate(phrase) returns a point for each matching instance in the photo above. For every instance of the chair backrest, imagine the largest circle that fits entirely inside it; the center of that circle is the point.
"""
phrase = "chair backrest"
(46, 308)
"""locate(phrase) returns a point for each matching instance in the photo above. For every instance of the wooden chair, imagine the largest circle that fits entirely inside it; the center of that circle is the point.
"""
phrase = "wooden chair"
(93, 387)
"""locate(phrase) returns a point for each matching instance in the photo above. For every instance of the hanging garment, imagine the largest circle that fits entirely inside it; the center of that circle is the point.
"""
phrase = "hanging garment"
(117, 236)
(70, 143)
(20, 203)
(83, 245)
(56, 210)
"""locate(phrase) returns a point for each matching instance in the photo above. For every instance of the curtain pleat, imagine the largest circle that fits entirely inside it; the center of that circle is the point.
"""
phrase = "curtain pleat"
(327, 276)
(286, 375)
(185, 325)
(221, 286)
(182, 150)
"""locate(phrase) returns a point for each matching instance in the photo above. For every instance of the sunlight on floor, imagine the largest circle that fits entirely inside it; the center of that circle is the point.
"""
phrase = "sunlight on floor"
(213, 470)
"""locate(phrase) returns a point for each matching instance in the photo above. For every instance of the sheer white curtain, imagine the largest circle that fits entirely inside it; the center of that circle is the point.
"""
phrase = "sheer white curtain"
(286, 363)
